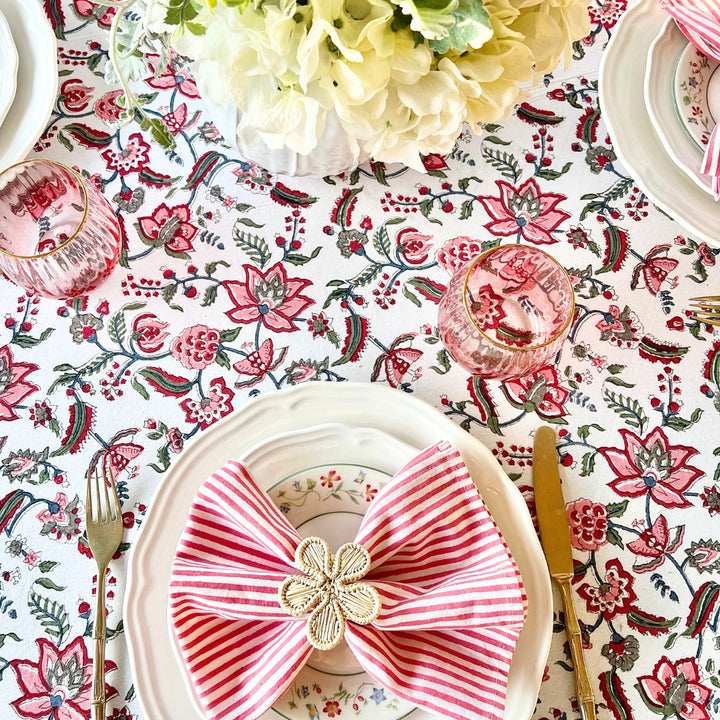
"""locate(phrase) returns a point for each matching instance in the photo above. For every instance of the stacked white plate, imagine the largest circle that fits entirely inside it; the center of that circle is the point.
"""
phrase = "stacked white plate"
(28, 77)
(660, 99)
(364, 432)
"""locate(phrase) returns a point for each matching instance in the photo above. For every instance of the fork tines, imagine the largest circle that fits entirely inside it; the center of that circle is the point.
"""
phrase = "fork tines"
(706, 309)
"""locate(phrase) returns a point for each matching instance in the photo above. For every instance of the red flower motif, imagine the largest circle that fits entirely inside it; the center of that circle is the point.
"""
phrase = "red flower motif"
(13, 388)
(588, 524)
(175, 440)
(413, 247)
(706, 253)
(259, 363)
(271, 297)
(59, 684)
(118, 456)
(149, 332)
(433, 161)
(74, 95)
(608, 13)
(525, 211)
(457, 252)
(675, 688)
(539, 391)
(196, 347)
(654, 269)
(133, 158)
(210, 408)
(613, 596)
(652, 465)
(332, 708)
(397, 364)
(86, 8)
(177, 119)
(486, 307)
(655, 543)
(170, 227)
(107, 108)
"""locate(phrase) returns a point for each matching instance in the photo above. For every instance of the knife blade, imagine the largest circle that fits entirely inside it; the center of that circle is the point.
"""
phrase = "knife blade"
(555, 540)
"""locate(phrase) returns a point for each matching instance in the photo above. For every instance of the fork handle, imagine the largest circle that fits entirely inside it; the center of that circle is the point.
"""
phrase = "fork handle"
(97, 704)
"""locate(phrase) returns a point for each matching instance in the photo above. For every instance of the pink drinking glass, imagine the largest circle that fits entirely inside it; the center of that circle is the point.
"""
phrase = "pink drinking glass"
(58, 235)
(507, 312)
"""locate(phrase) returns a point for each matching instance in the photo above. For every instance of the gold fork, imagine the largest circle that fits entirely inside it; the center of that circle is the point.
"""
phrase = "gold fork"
(104, 533)
(706, 309)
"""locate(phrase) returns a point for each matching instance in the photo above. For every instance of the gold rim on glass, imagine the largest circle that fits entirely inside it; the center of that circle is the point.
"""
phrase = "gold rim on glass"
(80, 224)
(496, 343)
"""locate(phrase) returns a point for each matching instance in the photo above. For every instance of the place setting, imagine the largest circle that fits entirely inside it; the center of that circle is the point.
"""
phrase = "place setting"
(359, 360)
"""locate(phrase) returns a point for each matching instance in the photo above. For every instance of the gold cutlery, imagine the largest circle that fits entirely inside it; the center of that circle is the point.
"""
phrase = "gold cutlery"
(706, 309)
(103, 520)
(555, 537)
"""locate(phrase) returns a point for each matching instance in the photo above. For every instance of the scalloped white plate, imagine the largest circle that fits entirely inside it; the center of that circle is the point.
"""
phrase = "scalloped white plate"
(659, 97)
(8, 68)
(622, 77)
(37, 79)
(158, 680)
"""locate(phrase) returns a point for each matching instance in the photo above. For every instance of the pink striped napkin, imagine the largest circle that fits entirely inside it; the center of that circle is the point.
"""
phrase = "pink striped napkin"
(452, 598)
(699, 21)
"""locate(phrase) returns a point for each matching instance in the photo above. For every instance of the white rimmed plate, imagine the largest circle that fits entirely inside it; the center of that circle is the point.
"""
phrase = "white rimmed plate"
(158, 680)
(622, 77)
(8, 68)
(696, 94)
(37, 79)
(659, 97)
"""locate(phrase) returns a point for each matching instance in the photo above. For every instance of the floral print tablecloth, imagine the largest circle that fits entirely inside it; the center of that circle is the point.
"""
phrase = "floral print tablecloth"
(234, 282)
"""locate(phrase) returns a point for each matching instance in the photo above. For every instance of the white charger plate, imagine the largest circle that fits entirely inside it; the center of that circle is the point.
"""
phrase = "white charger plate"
(158, 680)
(37, 79)
(659, 91)
(8, 68)
(622, 79)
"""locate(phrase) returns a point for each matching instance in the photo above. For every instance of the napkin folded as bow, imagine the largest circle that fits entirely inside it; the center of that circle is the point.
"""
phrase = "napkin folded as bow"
(699, 22)
(452, 600)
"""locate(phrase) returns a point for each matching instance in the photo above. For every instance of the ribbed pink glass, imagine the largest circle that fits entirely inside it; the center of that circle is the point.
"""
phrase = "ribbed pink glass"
(58, 235)
(507, 312)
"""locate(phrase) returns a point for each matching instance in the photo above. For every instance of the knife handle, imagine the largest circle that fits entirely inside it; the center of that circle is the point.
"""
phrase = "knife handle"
(583, 689)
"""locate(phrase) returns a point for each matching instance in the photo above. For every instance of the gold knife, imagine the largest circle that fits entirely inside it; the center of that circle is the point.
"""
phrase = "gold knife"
(555, 537)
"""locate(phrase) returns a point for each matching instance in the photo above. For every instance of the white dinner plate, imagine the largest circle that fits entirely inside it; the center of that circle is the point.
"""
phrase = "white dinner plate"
(8, 67)
(659, 90)
(622, 79)
(37, 79)
(696, 93)
(158, 680)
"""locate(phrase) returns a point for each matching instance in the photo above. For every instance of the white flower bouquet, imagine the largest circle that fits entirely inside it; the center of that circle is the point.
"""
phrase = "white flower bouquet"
(400, 76)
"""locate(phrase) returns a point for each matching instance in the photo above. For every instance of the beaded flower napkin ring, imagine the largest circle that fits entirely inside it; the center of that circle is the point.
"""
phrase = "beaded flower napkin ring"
(329, 589)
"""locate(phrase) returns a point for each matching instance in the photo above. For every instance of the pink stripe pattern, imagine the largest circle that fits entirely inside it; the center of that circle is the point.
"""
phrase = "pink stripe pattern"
(453, 603)
(699, 21)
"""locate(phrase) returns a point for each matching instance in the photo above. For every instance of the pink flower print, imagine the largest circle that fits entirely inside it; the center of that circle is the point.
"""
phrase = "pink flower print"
(107, 108)
(613, 596)
(173, 78)
(59, 684)
(524, 211)
(330, 479)
(196, 347)
(519, 272)
(55, 512)
(210, 408)
(654, 269)
(652, 466)
(177, 119)
(674, 687)
(540, 391)
(86, 8)
(13, 387)
(413, 247)
(149, 332)
(608, 13)
(457, 252)
(169, 227)
(654, 544)
(133, 158)
(588, 524)
(398, 364)
(271, 297)
(259, 363)
(486, 307)
(74, 95)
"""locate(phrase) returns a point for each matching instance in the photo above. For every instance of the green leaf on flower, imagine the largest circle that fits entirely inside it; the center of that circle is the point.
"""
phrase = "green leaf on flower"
(629, 409)
(616, 509)
(431, 18)
(614, 538)
(48, 584)
(471, 28)
(52, 616)
(504, 163)
(253, 245)
(680, 423)
(11, 635)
